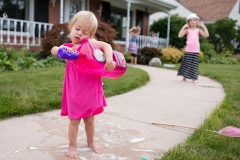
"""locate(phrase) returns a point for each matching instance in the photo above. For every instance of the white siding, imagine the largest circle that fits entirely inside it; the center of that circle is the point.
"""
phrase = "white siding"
(234, 14)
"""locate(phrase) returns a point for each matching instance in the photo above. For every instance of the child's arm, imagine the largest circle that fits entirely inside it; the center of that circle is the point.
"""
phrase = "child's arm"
(107, 49)
(131, 30)
(55, 49)
(183, 31)
(203, 32)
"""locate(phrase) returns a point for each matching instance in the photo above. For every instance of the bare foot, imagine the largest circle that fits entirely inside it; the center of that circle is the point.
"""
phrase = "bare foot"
(194, 82)
(72, 152)
(94, 147)
(184, 79)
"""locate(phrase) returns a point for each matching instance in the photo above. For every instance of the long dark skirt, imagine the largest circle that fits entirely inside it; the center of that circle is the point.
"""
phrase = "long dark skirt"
(189, 66)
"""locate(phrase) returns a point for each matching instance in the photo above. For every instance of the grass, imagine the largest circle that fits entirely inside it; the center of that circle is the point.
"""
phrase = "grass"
(205, 145)
(33, 91)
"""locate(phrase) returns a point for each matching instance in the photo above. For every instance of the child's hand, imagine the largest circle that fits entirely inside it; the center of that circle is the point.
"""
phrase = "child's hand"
(185, 26)
(200, 23)
(55, 49)
(109, 65)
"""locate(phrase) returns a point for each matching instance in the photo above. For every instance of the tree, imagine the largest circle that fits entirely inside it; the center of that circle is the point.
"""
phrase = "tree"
(176, 24)
(222, 34)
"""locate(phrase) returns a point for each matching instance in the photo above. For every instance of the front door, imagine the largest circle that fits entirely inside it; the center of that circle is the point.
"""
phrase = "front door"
(71, 7)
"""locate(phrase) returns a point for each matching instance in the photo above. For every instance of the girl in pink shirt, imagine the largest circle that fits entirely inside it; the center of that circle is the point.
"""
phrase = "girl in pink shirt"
(189, 65)
(82, 96)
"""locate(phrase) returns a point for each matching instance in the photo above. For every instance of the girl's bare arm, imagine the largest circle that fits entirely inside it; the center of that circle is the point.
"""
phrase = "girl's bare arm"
(203, 32)
(183, 31)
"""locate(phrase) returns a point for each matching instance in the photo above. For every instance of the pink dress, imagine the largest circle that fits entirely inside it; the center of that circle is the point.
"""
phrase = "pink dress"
(82, 94)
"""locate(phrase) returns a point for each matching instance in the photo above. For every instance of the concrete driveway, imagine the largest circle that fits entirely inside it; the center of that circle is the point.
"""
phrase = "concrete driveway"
(125, 130)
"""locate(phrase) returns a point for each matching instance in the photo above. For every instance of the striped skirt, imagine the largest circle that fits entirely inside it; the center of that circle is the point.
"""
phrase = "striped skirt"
(189, 66)
(133, 48)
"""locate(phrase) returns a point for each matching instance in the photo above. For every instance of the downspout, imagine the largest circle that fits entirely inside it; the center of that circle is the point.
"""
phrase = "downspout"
(128, 24)
(168, 30)
(61, 12)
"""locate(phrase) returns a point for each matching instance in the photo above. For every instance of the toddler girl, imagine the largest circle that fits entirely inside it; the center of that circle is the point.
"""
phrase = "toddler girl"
(83, 95)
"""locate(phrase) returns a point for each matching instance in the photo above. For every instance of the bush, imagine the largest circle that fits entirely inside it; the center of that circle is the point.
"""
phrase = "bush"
(222, 34)
(176, 24)
(224, 57)
(207, 48)
(54, 37)
(6, 63)
(12, 60)
(127, 57)
(106, 33)
(171, 55)
(222, 60)
(146, 54)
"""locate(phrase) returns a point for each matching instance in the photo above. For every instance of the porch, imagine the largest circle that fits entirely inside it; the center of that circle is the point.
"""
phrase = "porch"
(15, 32)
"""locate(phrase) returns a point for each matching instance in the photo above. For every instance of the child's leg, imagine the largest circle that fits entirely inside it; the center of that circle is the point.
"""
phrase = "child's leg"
(184, 79)
(90, 129)
(72, 134)
(132, 60)
(135, 60)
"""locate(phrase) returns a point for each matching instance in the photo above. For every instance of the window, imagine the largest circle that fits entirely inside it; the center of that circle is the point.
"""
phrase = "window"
(119, 18)
(13, 8)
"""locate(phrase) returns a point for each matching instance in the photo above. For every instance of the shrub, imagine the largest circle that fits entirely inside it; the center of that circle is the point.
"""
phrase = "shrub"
(171, 55)
(146, 54)
(52, 61)
(222, 33)
(207, 48)
(222, 60)
(127, 57)
(29, 63)
(6, 63)
(224, 57)
(54, 37)
(176, 24)
(106, 33)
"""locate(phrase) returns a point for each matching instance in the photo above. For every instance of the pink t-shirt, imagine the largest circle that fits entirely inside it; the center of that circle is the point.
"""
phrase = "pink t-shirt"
(193, 41)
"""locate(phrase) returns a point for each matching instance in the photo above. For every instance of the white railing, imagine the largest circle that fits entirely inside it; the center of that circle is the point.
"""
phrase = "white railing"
(148, 41)
(22, 32)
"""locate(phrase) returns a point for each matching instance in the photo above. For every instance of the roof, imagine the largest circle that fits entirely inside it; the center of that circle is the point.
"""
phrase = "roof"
(154, 5)
(209, 10)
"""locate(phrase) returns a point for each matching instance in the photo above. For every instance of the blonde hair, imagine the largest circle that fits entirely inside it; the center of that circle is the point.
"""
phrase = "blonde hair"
(137, 30)
(85, 19)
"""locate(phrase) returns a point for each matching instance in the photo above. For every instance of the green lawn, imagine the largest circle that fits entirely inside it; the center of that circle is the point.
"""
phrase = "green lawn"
(205, 145)
(33, 91)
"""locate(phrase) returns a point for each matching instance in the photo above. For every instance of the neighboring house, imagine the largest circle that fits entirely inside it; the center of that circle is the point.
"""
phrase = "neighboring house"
(28, 19)
(208, 10)
(212, 10)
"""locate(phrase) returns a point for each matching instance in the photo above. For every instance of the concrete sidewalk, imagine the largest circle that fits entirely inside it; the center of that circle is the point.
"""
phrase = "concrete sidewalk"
(125, 130)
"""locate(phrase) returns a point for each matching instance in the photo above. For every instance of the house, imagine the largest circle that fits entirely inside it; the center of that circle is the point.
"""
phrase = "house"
(181, 10)
(27, 19)
(208, 10)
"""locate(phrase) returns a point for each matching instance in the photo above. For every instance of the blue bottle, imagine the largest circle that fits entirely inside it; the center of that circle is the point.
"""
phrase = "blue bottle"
(65, 54)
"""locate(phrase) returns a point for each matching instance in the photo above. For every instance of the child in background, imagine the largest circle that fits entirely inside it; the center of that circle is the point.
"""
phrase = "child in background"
(83, 95)
(189, 65)
(133, 47)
